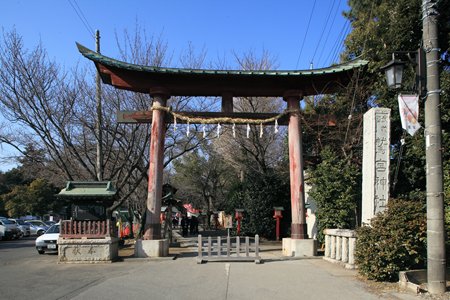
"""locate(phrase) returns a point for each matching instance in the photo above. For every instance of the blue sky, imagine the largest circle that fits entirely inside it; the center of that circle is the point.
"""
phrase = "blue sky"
(219, 27)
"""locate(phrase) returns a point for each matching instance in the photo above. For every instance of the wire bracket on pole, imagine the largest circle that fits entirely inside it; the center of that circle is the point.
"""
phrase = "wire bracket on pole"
(435, 194)
(434, 92)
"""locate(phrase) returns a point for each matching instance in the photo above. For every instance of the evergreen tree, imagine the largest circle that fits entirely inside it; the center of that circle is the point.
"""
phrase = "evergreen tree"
(37, 198)
(257, 196)
(335, 189)
(380, 28)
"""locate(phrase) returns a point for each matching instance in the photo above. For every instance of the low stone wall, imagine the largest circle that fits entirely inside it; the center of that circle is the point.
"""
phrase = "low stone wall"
(340, 247)
(85, 250)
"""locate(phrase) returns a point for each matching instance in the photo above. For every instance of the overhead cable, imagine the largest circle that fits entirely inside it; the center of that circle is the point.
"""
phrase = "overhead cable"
(81, 16)
(328, 34)
(306, 33)
(323, 31)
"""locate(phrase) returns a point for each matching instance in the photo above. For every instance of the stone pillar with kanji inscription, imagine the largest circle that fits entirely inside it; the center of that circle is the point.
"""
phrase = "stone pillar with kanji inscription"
(375, 183)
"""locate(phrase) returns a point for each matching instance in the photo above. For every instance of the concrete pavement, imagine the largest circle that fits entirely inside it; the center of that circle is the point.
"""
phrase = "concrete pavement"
(180, 277)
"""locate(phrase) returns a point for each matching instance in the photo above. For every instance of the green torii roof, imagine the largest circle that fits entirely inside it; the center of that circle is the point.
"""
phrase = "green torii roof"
(202, 82)
(88, 189)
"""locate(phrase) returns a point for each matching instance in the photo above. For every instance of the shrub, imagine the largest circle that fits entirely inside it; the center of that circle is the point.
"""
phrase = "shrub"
(395, 241)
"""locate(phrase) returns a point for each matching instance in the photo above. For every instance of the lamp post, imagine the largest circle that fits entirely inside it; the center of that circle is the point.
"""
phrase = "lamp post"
(277, 215)
(238, 216)
(436, 261)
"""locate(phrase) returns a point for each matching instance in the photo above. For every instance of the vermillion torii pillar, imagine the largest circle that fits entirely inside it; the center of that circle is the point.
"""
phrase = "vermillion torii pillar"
(298, 226)
(155, 172)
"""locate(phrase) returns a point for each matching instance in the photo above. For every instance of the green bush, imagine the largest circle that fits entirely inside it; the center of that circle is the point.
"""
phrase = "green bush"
(395, 241)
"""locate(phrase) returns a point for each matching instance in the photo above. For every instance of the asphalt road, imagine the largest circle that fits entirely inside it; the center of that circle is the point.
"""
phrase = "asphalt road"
(25, 274)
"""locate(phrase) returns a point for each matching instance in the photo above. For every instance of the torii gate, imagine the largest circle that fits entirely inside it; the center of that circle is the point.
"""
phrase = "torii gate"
(162, 83)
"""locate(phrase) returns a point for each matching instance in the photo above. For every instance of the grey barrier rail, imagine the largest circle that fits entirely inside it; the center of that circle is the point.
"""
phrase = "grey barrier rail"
(209, 250)
(340, 247)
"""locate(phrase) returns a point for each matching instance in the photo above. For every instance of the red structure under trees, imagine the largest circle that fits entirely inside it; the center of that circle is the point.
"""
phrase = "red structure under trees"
(162, 83)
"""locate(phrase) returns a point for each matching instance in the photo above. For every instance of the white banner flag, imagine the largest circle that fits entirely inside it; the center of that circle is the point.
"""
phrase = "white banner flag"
(409, 112)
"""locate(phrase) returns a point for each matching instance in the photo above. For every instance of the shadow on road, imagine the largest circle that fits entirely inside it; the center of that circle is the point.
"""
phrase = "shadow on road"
(26, 242)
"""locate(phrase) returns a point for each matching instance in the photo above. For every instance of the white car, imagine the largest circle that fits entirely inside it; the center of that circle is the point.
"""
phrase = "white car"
(48, 242)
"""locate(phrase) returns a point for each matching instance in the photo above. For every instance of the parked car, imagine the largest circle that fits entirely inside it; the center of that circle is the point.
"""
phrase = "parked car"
(37, 226)
(2, 230)
(23, 227)
(9, 229)
(50, 223)
(48, 242)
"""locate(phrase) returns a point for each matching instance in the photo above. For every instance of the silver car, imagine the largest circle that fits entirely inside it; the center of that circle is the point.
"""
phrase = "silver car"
(37, 227)
(24, 227)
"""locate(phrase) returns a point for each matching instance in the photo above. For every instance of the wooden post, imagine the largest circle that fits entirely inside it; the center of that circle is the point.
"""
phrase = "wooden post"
(227, 102)
(155, 172)
(298, 226)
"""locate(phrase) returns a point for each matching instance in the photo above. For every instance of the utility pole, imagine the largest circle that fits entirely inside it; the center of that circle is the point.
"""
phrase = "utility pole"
(98, 125)
(436, 262)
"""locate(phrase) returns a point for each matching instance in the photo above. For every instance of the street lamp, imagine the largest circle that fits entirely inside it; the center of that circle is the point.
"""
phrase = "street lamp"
(394, 72)
(395, 68)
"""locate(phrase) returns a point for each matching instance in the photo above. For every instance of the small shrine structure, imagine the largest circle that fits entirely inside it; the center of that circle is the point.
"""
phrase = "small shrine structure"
(162, 83)
(89, 235)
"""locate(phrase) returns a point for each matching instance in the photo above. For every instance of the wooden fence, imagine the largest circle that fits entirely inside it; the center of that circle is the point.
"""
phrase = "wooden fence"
(73, 229)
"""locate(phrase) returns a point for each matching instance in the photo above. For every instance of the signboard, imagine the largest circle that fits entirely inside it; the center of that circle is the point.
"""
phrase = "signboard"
(229, 221)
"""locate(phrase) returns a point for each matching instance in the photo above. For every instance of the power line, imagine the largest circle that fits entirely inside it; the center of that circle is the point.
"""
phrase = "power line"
(323, 31)
(339, 40)
(341, 44)
(328, 33)
(306, 33)
(81, 16)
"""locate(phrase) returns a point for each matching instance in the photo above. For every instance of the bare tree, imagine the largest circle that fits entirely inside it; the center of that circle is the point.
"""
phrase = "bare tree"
(202, 177)
(254, 147)
(53, 109)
